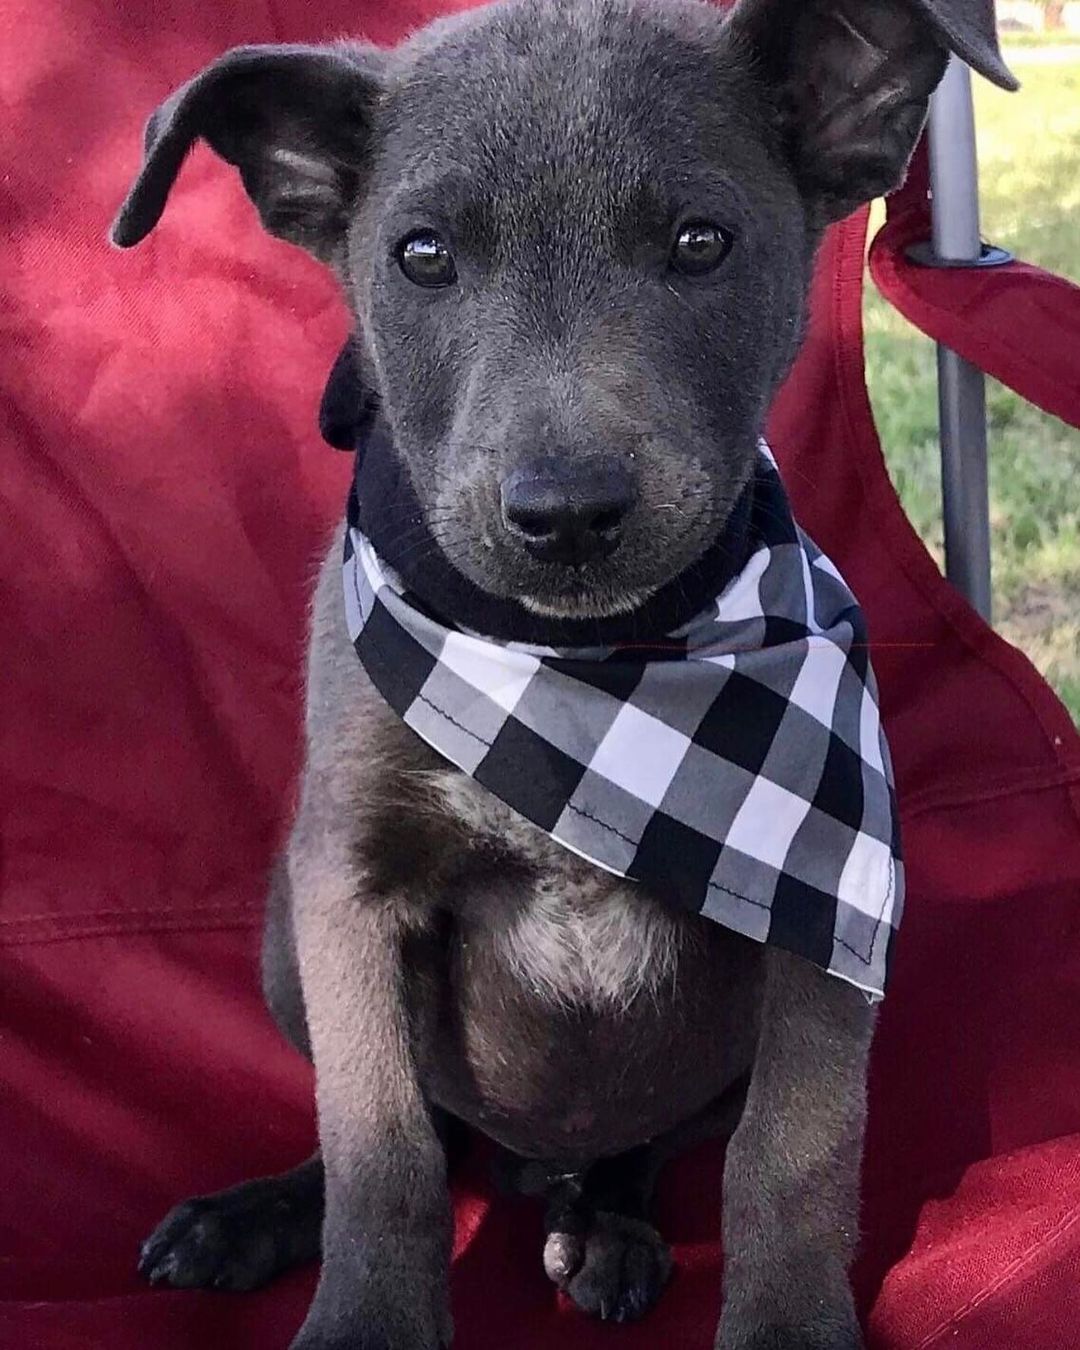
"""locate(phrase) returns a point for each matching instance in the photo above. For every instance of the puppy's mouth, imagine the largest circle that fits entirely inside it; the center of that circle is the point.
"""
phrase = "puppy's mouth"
(600, 603)
(604, 587)
(599, 589)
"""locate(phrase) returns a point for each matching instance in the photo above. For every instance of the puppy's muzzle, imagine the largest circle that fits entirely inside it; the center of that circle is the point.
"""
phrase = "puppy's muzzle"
(570, 513)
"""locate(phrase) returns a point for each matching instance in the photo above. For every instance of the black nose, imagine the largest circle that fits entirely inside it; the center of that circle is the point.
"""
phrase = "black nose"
(566, 512)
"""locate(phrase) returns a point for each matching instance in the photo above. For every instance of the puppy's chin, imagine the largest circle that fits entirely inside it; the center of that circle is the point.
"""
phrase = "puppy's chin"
(585, 604)
(592, 593)
(547, 591)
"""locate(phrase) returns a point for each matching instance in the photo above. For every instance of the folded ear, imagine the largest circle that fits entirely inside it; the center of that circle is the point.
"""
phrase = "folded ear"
(297, 123)
(852, 81)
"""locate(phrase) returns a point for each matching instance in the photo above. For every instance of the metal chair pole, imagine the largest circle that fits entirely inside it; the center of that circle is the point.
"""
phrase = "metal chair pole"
(961, 387)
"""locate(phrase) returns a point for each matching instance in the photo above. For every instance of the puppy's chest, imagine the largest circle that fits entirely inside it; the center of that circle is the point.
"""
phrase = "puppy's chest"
(568, 931)
(577, 1016)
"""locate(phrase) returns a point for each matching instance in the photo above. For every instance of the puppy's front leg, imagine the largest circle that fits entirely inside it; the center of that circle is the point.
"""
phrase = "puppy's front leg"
(386, 1233)
(791, 1180)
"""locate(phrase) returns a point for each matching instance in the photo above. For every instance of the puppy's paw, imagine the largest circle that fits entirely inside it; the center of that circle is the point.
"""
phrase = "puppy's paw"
(838, 1330)
(801, 1305)
(796, 1338)
(366, 1340)
(616, 1270)
(330, 1327)
(238, 1240)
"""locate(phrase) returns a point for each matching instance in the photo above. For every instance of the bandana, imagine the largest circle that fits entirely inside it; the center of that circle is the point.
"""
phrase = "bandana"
(736, 767)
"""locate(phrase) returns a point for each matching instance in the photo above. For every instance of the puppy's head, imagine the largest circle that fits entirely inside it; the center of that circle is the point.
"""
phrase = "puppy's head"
(577, 239)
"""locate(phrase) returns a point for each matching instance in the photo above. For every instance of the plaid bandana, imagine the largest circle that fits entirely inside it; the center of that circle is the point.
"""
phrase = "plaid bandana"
(737, 767)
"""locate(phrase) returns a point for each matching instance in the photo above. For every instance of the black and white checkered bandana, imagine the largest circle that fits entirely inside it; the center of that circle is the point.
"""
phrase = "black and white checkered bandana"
(737, 767)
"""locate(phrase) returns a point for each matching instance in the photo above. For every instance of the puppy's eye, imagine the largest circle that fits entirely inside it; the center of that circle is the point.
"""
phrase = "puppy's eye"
(699, 247)
(426, 260)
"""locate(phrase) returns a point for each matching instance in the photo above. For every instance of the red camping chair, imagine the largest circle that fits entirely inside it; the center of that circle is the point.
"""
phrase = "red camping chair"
(165, 496)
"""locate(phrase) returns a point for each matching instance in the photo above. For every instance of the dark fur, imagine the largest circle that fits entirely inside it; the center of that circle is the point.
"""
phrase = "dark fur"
(439, 959)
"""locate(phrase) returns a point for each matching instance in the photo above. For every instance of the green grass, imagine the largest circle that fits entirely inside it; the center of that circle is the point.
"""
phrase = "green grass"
(1029, 151)
(1065, 38)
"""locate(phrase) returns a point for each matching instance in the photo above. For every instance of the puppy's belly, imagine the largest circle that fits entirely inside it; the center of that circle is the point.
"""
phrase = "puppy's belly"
(574, 1074)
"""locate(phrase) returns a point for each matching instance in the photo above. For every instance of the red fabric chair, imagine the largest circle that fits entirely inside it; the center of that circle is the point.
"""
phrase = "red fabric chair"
(165, 496)
(1017, 322)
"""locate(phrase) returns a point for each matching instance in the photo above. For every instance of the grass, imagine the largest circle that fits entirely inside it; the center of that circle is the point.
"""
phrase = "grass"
(1029, 152)
(1065, 38)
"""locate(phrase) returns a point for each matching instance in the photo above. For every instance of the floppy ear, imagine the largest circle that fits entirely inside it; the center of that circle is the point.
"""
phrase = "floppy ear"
(296, 121)
(852, 81)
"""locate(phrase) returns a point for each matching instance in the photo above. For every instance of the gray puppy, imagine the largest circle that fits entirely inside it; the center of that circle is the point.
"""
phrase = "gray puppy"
(576, 238)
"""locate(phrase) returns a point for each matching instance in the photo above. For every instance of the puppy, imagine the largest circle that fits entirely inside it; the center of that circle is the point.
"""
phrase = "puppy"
(576, 239)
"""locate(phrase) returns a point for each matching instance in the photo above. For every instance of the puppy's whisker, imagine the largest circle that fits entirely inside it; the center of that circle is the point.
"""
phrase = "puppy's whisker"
(421, 549)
